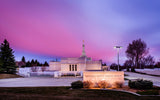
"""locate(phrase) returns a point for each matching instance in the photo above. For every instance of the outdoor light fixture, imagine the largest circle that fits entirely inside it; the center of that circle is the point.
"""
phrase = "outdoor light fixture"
(118, 47)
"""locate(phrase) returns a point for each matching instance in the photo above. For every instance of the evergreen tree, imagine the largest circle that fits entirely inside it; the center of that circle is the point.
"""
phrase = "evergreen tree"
(28, 64)
(32, 62)
(7, 60)
(23, 59)
(45, 63)
(36, 62)
(1, 69)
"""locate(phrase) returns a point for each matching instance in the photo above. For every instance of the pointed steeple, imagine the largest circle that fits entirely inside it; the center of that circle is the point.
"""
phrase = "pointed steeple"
(83, 50)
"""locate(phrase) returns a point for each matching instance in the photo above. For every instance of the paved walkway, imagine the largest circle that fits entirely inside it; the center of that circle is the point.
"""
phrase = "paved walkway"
(154, 79)
(155, 71)
(37, 81)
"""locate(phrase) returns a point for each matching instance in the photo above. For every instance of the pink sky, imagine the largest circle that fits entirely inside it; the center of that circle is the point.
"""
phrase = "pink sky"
(56, 28)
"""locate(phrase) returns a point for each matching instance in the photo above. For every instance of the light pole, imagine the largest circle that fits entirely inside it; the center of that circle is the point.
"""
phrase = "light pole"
(118, 47)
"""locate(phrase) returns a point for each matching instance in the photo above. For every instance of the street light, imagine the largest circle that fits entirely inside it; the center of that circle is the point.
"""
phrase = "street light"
(118, 47)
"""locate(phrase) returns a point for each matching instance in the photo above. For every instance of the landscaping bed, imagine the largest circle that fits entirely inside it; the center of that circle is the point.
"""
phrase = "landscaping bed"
(66, 93)
(140, 86)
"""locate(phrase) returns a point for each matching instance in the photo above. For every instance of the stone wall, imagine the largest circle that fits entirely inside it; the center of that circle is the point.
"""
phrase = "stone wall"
(93, 65)
(55, 66)
(109, 76)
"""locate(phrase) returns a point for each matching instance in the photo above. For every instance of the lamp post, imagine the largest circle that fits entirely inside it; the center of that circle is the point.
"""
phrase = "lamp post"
(118, 47)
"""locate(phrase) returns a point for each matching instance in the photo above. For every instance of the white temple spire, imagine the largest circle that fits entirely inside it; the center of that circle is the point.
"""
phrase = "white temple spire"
(83, 50)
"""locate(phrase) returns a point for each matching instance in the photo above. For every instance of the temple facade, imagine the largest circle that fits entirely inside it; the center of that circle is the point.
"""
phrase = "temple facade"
(75, 65)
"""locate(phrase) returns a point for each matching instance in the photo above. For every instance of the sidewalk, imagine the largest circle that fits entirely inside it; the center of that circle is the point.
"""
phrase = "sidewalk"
(154, 79)
(37, 81)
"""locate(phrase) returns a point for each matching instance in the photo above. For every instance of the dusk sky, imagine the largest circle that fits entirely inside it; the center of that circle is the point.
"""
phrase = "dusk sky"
(45, 29)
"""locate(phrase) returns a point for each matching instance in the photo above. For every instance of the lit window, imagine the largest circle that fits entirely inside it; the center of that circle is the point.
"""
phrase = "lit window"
(75, 67)
(72, 67)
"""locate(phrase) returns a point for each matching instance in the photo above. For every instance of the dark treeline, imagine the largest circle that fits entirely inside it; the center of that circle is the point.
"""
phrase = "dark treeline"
(32, 63)
(129, 68)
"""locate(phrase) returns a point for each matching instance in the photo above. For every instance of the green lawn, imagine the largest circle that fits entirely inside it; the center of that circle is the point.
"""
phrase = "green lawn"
(65, 93)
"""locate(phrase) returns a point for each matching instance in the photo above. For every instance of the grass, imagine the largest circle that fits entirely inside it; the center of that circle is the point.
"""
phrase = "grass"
(148, 92)
(3, 76)
(65, 93)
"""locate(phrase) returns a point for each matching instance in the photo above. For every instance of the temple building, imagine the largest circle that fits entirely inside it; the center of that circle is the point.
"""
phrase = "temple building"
(76, 65)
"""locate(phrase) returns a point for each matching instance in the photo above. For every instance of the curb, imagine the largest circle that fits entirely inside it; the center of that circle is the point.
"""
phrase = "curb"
(129, 92)
(123, 91)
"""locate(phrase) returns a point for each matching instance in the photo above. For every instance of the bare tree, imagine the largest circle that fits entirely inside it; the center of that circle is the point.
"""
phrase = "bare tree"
(128, 64)
(148, 61)
(136, 51)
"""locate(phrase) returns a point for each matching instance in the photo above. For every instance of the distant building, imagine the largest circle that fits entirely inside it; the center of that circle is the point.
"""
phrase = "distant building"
(74, 65)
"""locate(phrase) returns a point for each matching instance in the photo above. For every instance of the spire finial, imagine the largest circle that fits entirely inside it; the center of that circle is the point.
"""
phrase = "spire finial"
(83, 50)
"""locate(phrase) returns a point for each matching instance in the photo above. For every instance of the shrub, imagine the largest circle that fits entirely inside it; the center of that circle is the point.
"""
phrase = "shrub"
(133, 70)
(131, 84)
(118, 84)
(103, 84)
(87, 84)
(128, 69)
(140, 84)
(77, 84)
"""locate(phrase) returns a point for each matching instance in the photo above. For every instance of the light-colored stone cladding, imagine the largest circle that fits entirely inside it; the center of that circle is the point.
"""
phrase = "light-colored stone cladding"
(54, 66)
(108, 76)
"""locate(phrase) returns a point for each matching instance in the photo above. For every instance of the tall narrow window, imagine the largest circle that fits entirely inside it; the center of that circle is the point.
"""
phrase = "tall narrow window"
(72, 67)
(75, 67)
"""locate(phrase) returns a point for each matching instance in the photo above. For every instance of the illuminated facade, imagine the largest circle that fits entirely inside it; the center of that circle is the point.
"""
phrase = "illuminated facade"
(74, 65)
